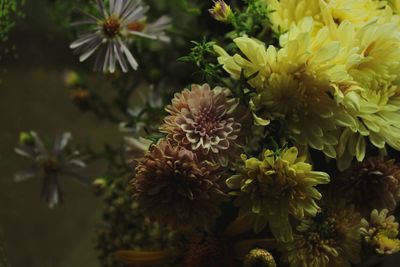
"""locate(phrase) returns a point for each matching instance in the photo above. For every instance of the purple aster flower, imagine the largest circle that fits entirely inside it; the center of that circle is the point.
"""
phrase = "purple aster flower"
(49, 165)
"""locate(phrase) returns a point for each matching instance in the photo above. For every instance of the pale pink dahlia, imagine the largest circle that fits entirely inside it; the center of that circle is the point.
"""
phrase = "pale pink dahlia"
(207, 121)
(175, 188)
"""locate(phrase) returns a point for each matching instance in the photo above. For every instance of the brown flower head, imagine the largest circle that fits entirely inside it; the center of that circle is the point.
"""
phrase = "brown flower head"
(208, 121)
(371, 184)
(175, 188)
(208, 250)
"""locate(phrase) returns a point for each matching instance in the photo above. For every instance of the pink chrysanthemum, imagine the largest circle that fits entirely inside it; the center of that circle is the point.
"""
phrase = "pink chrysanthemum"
(207, 121)
(175, 188)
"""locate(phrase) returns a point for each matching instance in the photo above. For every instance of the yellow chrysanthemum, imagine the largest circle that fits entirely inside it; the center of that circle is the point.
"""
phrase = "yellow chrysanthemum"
(358, 12)
(279, 185)
(371, 94)
(381, 232)
(395, 5)
(379, 54)
(286, 13)
(378, 119)
(294, 84)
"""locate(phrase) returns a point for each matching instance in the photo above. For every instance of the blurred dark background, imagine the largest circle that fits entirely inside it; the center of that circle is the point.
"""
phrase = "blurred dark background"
(33, 97)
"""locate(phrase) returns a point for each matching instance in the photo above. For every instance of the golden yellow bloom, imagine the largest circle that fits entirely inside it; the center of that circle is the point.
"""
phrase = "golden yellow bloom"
(381, 232)
(330, 239)
(279, 185)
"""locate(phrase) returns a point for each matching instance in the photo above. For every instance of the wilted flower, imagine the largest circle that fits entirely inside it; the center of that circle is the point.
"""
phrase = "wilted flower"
(110, 33)
(220, 11)
(381, 232)
(330, 239)
(207, 121)
(148, 107)
(373, 183)
(175, 188)
(49, 164)
(279, 185)
(259, 257)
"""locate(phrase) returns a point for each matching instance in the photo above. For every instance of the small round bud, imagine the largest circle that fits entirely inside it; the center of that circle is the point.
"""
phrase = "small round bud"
(26, 138)
(259, 258)
(99, 186)
(220, 11)
(71, 78)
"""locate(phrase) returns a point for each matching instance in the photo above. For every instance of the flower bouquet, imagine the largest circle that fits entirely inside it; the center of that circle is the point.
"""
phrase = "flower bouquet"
(256, 132)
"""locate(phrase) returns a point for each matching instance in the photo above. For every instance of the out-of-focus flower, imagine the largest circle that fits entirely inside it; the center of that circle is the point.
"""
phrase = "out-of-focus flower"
(259, 257)
(207, 121)
(110, 32)
(371, 184)
(175, 188)
(220, 11)
(330, 239)
(381, 232)
(279, 185)
(146, 112)
(49, 165)
(136, 148)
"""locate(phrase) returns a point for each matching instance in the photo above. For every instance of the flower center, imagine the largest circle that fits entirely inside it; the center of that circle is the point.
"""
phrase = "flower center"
(49, 165)
(111, 27)
(206, 122)
(136, 26)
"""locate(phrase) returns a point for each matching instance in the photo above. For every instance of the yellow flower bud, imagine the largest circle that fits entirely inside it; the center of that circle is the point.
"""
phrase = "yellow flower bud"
(220, 11)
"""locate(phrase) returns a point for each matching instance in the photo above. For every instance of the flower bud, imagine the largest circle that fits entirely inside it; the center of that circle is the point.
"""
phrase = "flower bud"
(71, 78)
(99, 186)
(25, 138)
(220, 11)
